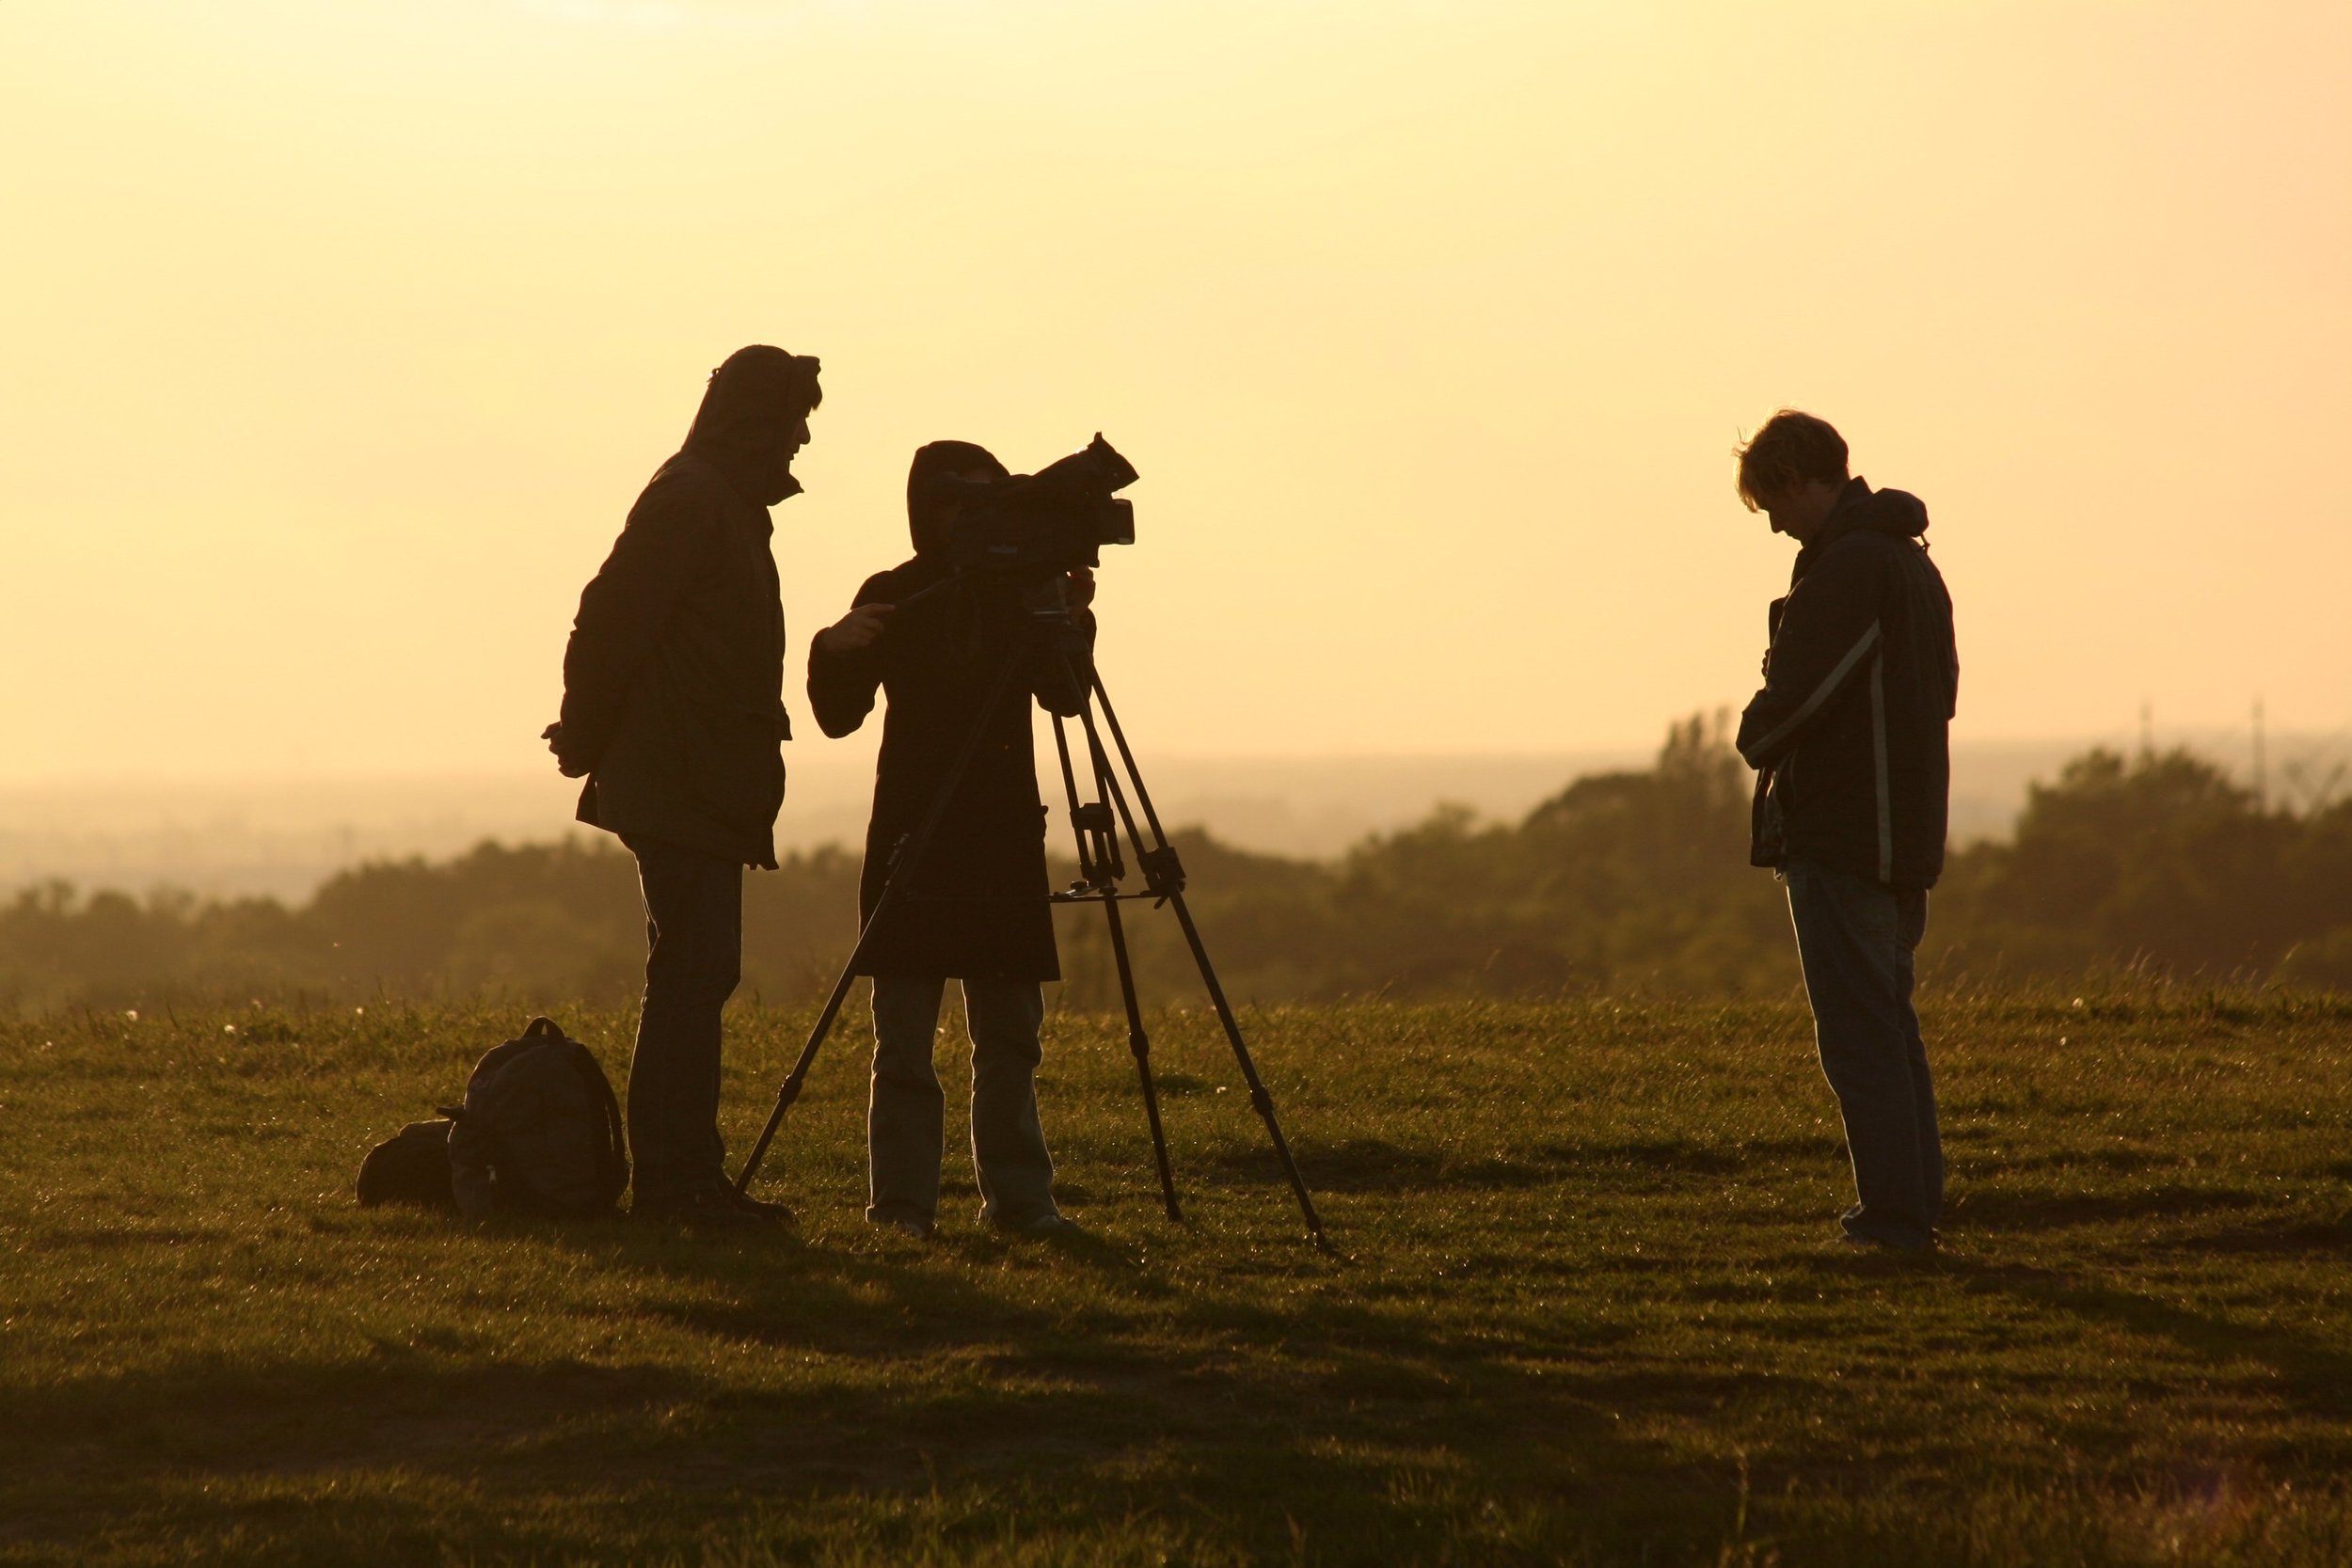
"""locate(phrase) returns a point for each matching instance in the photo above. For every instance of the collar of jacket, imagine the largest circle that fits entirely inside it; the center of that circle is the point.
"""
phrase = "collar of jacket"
(923, 568)
(1848, 513)
(737, 487)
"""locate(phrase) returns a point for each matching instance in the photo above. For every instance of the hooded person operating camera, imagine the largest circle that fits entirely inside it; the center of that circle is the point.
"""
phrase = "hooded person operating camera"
(938, 643)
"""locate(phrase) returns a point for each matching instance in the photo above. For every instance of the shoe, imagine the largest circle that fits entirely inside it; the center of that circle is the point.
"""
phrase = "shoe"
(1051, 1223)
(1856, 1240)
(775, 1214)
(703, 1209)
(913, 1228)
(1856, 1236)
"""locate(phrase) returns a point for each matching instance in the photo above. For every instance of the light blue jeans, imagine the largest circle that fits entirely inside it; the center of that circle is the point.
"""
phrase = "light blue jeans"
(906, 1118)
(1855, 939)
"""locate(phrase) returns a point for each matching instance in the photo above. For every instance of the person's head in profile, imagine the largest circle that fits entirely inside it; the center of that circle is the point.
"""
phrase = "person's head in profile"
(1795, 472)
(931, 504)
(753, 418)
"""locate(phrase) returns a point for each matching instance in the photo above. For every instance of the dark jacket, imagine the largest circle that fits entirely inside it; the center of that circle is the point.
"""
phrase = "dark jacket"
(974, 908)
(674, 679)
(1849, 735)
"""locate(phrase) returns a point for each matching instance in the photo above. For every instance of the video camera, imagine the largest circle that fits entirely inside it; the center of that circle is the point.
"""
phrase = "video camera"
(1046, 523)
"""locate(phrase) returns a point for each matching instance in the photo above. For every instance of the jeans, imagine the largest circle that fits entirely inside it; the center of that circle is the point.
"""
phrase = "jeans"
(694, 955)
(906, 1119)
(1855, 939)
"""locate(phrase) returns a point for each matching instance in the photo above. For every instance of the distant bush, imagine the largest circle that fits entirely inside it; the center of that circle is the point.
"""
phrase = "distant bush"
(2160, 862)
(1628, 882)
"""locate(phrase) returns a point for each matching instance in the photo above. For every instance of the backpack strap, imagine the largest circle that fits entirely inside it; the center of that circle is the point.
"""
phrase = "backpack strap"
(617, 1127)
(612, 1149)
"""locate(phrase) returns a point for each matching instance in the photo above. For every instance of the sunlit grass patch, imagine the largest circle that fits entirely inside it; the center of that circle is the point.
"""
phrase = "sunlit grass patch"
(1584, 1306)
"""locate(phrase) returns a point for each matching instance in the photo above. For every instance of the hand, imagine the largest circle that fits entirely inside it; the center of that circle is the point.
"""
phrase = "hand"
(859, 628)
(1080, 592)
(553, 736)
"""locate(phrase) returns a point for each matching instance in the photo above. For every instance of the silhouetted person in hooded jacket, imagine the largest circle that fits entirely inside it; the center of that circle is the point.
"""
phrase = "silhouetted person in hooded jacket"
(974, 907)
(674, 709)
(1849, 738)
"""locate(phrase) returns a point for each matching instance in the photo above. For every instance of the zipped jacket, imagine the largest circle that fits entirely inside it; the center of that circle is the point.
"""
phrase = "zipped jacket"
(1849, 734)
(674, 678)
(974, 906)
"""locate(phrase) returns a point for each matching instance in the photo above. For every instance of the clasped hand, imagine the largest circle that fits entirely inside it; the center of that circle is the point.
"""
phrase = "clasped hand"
(859, 628)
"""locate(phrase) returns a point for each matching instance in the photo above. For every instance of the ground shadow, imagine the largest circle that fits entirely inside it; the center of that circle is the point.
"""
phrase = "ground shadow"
(1999, 1208)
(1280, 1416)
(2333, 1238)
(2315, 1376)
(1372, 1166)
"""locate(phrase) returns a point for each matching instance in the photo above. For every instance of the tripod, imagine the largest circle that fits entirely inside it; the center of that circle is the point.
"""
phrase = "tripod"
(1097, 825)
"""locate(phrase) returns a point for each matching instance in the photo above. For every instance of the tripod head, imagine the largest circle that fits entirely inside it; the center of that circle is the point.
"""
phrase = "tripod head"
(1053, 620)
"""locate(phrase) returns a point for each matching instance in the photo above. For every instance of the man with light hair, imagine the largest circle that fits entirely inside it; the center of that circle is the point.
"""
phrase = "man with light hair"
(1848, 741)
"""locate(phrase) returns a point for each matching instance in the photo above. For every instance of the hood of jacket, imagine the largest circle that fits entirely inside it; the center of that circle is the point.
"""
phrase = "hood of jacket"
(739, 428)
(1896, 514)
(934, 463)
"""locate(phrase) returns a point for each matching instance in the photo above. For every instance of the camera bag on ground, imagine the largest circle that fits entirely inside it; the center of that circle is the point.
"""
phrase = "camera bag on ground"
(540, 1131)
(410, 1167)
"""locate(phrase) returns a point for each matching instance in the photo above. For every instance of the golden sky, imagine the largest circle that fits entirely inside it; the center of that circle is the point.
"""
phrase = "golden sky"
(337, 337)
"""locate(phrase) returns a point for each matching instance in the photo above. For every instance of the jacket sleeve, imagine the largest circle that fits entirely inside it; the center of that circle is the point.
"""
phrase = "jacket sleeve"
(841, 687)
(1061, 680)
(623, 613)
(1830, 626)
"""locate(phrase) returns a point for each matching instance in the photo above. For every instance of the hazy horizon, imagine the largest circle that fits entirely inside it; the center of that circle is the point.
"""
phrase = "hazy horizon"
(281, 837)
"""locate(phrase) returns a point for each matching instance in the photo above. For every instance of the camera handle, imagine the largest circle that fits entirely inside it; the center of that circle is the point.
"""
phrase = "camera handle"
(904, 858)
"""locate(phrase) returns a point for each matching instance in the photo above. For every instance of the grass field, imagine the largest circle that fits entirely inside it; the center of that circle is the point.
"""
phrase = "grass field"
(1584, 1307)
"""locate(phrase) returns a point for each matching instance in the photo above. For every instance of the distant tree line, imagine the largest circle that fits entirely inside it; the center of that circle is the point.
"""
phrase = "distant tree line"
(1623, 881)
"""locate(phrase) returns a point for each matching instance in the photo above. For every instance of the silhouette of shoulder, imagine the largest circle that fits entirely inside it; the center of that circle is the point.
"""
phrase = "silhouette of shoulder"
(907, 577)
(684, 494)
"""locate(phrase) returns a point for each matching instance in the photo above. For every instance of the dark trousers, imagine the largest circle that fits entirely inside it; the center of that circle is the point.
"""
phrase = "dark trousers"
(1855, 939)
(693, 957)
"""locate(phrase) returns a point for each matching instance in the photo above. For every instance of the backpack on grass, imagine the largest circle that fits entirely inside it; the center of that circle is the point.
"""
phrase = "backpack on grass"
(540, 1131)
(539, 1134)
(410, 1167)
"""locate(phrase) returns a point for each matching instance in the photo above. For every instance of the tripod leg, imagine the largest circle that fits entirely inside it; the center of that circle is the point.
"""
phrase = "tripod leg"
(1139, 1046)
(1127, 757)
(791, 1090)
(1070, 793)
(910, 854)
(1138, 1043)
(1258, 1094)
